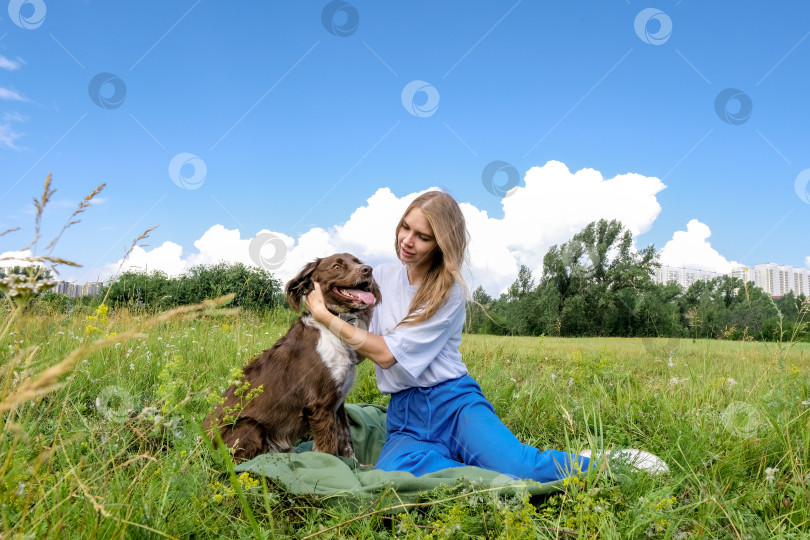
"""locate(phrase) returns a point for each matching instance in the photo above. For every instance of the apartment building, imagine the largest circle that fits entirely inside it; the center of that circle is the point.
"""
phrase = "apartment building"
(772, 278)
(683, 276)
(74, 290)
(777, 279)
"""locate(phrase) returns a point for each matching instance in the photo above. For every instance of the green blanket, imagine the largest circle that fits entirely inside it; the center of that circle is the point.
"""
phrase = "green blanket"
(342, 480)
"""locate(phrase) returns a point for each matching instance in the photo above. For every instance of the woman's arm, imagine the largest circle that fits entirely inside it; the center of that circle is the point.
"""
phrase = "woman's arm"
(364, 342)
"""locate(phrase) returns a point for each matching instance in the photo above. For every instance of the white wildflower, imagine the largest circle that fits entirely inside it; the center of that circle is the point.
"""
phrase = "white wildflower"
(770, 474)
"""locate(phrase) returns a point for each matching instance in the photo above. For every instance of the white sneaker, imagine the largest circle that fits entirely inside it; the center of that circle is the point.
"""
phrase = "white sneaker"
(638, 460)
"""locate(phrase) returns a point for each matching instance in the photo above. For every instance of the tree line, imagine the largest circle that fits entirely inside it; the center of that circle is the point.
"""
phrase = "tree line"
(254, 289)
(596, 284)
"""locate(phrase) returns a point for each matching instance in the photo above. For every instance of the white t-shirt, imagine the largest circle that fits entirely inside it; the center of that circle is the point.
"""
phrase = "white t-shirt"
(427, 352)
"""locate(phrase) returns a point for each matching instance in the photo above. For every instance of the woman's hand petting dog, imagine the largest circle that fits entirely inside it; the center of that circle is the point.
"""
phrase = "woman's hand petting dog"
(315, 302)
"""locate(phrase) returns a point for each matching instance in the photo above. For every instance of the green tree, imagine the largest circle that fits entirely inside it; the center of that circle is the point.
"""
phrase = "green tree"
(41, 272)
(523, 285)
(253, 288)
(598, 280)
(659, 311)
(480, 317)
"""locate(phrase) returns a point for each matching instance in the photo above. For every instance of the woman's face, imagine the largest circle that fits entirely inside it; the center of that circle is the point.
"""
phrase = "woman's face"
(415, 240)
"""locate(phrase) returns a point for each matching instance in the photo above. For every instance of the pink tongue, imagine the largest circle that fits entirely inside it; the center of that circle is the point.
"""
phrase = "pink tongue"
(365, 297)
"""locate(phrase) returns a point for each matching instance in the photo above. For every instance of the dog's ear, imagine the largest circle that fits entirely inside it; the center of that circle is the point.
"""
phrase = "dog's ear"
(300, 285)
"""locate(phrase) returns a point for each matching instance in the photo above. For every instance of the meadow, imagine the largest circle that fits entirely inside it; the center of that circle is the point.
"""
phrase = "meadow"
(101, 412)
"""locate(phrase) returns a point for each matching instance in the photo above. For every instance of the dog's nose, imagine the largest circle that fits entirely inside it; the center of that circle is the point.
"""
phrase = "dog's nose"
(365, 270)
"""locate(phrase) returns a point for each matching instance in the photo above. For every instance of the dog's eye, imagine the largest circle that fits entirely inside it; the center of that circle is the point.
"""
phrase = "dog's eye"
(336, 266)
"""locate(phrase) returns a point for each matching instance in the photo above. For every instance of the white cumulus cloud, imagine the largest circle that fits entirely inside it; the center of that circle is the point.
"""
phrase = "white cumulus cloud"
(691, 249)
(553, 205)
(15, 258)
(167, 257)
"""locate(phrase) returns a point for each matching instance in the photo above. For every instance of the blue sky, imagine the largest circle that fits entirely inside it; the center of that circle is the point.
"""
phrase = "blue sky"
(293, 117)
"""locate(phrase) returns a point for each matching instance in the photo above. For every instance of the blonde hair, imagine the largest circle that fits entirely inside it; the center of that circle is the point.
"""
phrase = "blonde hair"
(450, 231)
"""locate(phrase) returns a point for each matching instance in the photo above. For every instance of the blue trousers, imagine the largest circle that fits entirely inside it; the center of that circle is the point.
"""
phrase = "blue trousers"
(452, 424)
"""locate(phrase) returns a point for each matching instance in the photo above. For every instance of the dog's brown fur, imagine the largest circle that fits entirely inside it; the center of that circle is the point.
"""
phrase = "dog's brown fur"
(303, 392)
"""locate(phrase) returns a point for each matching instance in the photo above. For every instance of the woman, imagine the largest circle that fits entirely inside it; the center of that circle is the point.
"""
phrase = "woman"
(437, 416)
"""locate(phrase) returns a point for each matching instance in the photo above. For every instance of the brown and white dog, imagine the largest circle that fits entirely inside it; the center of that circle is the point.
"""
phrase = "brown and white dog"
(306, 374)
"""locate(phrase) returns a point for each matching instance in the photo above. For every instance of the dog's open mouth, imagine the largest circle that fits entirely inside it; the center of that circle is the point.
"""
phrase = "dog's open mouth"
(356, 295)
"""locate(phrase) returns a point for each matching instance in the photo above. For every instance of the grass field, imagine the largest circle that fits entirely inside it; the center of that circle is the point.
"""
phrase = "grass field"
(102, 442)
